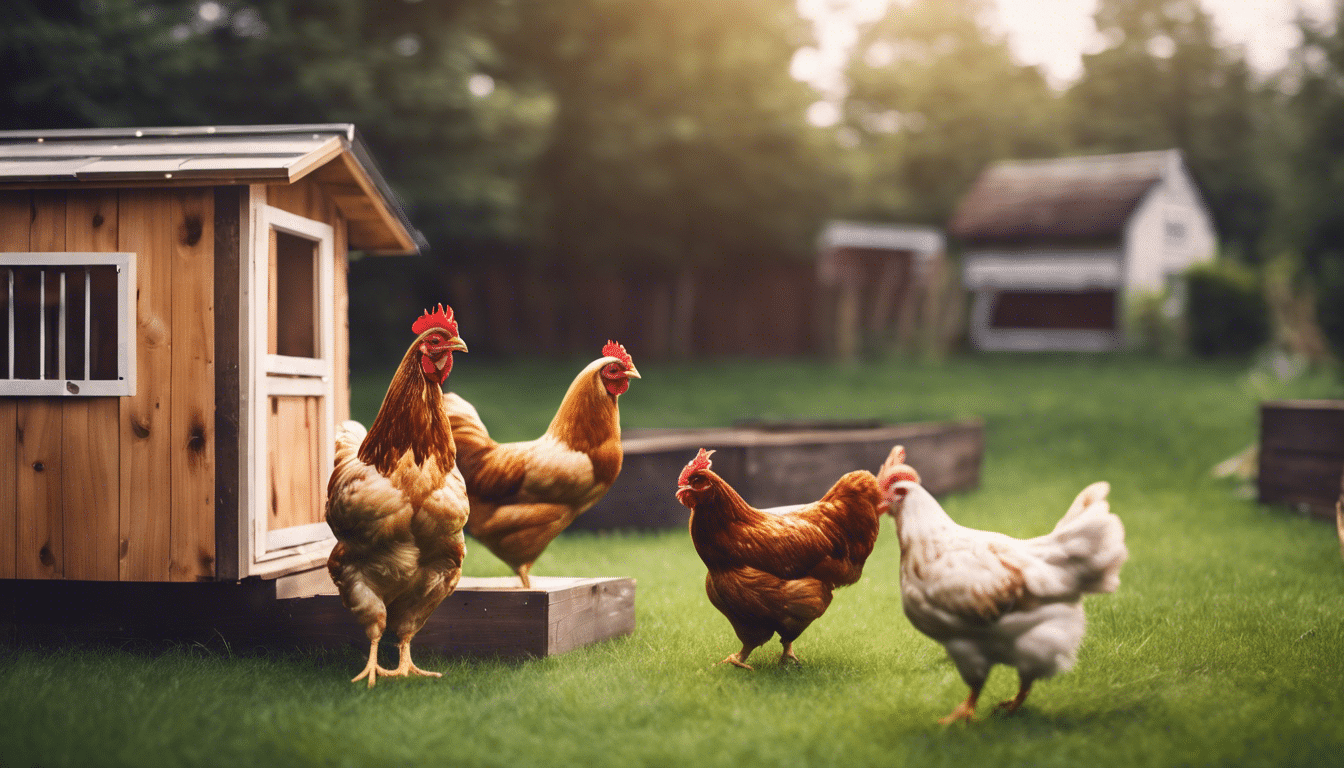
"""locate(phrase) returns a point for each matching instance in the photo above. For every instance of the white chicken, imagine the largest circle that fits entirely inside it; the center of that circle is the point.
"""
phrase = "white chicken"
(993, 599)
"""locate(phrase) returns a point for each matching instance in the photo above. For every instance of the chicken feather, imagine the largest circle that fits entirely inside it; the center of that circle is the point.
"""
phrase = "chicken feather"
(994, 599)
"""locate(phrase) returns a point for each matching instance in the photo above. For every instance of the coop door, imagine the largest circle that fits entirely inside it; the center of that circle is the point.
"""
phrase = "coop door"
(292, 416)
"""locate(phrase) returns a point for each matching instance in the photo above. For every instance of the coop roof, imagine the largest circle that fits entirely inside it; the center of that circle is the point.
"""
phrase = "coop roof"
(1074, 198)
(219, 155)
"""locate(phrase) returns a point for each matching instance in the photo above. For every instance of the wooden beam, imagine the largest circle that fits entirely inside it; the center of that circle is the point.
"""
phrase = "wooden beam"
(230, 207)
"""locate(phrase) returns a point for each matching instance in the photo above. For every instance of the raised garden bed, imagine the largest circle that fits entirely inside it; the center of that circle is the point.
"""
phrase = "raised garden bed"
(774, 464)
(1302, 454)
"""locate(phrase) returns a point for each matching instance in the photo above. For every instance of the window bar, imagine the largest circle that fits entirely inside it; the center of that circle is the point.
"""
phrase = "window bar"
(60, 332)
(42, 324)
(88, 289)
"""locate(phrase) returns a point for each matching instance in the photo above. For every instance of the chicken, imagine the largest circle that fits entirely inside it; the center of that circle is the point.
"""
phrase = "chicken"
(397, 503)
(774, 571)
(524, 494)
(993, 599)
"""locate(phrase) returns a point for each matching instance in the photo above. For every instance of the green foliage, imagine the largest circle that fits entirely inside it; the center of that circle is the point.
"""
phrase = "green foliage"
(935, 97)
(1226, 311)
(1164, 81)
(1330, 303)
(1217, 649)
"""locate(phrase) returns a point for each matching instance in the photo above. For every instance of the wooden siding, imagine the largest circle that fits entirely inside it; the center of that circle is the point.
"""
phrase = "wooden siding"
(15, 218)
(1302, 454)
(119, 488)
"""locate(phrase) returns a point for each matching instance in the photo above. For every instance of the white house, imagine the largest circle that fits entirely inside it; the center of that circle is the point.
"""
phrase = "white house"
(1053, 250)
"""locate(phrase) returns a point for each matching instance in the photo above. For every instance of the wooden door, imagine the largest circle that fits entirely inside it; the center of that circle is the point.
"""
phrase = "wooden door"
(292, 411)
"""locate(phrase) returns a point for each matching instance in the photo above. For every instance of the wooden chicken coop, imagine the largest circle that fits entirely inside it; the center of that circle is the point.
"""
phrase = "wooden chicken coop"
(174, 351)
(173, 361)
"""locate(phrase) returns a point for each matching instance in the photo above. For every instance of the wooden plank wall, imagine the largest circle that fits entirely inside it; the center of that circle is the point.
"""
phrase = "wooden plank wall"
(119, 488)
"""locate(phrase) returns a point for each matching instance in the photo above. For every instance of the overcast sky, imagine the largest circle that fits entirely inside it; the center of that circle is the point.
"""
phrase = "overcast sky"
(1055, 33)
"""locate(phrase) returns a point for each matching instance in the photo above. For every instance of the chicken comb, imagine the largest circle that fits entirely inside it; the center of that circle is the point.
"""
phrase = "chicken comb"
(614, 349)
(442, 317)
(700, 462)
(894, 469)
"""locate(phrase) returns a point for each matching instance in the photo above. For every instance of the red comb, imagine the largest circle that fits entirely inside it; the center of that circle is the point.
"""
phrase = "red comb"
(617, 351)
(439, 318)
(701, 461)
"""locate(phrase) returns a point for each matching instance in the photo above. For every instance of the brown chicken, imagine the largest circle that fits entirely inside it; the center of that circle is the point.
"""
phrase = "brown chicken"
(524, 494)
(773, 571)
(397, 503)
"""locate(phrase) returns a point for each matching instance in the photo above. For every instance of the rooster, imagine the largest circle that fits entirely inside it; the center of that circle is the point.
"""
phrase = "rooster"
(993, 599)
(774, 571)
(397, 503)
(524, 494)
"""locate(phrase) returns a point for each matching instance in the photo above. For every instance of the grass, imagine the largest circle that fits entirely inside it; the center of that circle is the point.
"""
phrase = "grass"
(1222, 646)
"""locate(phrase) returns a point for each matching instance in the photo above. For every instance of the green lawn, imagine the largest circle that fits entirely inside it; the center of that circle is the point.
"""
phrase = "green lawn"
(1223, 645)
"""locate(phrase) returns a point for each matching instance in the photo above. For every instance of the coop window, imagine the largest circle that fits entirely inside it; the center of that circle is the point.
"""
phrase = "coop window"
(66, 324)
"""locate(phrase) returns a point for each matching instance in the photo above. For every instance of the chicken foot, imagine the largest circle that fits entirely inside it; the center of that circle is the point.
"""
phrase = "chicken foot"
(1010, 706)
(788, 656)
(371, 669)
(522, 571)
(964, 711)
(739, 659)
(406, 667)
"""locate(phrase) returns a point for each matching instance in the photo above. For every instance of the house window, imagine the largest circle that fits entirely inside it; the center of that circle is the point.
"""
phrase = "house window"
(66, 323)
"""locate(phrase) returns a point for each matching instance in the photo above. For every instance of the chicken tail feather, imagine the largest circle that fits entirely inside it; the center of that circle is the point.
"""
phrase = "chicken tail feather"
(1093, 540)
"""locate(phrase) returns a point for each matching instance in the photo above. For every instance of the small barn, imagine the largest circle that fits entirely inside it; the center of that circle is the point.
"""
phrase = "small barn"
(174, 352)
(1054, 250)
(873, 278)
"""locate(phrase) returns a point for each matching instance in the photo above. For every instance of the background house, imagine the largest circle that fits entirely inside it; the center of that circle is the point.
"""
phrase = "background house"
(174, 350)
(1054, 249)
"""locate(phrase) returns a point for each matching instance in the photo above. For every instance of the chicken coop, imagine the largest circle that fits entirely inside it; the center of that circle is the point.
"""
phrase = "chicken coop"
(174, 351)
(173, 361)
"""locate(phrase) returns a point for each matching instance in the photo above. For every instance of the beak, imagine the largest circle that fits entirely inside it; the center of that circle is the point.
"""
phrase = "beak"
(456, 344)
(631, 373)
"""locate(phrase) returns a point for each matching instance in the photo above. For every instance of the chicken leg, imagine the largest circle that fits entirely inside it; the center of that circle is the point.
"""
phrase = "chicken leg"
(788, 656)
(739, 659)
(371, 669)
(522, 571)
(1010, 706)
(406, 667)
(964, 711)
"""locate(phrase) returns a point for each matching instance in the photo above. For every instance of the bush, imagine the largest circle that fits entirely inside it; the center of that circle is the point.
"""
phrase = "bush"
(1225, 310)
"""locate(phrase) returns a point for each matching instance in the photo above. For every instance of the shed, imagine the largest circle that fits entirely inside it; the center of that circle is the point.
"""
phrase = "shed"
(1054, 250)
(175, 354)
(874, 276)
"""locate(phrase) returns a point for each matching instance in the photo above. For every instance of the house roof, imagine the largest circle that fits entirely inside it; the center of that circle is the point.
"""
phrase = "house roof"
(219, 155)
(1073, 199)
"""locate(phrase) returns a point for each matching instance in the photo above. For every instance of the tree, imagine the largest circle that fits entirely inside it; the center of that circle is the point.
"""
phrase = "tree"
(1164, 82)
(935, 97)
(678, 136)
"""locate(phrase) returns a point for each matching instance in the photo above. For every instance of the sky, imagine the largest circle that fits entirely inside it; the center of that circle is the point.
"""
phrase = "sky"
(1055, 33)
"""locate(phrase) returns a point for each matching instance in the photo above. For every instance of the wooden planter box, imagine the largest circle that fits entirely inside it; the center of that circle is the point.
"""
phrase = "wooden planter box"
(1302, 454)
(483, 617)
(775, 465)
